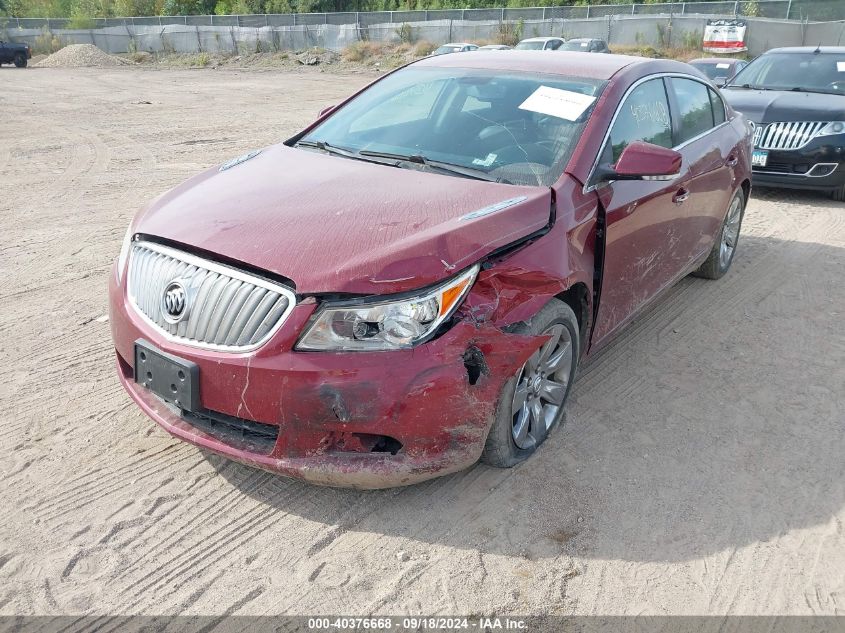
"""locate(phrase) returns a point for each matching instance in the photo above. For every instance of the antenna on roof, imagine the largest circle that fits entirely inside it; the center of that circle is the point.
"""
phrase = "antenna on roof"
(818, 49)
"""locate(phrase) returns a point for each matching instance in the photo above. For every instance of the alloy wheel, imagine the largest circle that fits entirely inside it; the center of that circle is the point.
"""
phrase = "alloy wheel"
(541, 388)
(730, 232)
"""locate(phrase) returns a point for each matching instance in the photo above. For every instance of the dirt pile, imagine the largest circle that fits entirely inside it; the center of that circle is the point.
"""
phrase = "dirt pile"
(79, 55)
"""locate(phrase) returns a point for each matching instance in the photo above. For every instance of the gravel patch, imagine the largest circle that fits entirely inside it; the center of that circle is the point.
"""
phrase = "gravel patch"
(78, 55)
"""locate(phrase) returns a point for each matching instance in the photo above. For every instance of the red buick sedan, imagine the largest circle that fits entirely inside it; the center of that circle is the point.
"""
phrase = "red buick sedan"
(408, 285)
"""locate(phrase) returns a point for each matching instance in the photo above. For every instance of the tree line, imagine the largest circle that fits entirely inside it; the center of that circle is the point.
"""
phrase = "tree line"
(81, 10)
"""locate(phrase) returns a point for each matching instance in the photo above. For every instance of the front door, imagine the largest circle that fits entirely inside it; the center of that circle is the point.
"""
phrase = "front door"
(643, 252)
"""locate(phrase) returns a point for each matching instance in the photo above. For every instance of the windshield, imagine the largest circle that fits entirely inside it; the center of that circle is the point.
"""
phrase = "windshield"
(517, 128)
(447, 49)
(714, 70)
(811, 72)
(529, 46)
(574, 45)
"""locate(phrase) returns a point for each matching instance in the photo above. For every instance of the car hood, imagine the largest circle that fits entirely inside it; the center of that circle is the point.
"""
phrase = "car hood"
(767, 106)
(332, 224)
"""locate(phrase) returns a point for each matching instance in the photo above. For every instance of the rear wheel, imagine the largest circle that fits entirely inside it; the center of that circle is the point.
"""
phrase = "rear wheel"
(20, 60)
(533, 401)
(722, 254)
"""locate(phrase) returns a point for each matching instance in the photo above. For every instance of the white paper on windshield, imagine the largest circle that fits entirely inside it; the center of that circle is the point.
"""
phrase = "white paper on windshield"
(840, 66)
(486, 162)
(584, 44)
(723, 65)
(562, 104)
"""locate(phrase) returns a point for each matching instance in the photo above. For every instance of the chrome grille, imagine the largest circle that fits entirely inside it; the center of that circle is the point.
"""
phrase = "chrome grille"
(225, 309)
(787, 135)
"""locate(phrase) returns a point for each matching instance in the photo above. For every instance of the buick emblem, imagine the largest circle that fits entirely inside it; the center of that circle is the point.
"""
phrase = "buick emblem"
(174, 302)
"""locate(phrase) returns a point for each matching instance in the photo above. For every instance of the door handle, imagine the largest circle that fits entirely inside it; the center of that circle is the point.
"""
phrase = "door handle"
(680, 196)
(732, 161)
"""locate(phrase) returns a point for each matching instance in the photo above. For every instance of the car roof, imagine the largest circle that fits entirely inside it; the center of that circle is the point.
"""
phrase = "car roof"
(540, 39)
(572, 64)
(584, 39)
(829, 50)
(456, 44)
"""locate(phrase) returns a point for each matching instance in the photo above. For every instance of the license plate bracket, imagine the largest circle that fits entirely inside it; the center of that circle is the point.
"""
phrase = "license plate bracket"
(759, 158)
(171, 378)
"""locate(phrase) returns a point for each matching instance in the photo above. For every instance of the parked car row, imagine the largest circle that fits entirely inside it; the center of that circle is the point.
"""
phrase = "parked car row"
(582, 44)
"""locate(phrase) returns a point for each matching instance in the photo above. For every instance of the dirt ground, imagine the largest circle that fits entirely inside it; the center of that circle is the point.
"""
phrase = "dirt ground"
(701, 470)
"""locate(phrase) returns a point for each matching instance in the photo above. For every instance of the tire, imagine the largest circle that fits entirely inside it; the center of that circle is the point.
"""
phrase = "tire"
(838, 194)
(514, 437)
(20, 60)
(724, 247)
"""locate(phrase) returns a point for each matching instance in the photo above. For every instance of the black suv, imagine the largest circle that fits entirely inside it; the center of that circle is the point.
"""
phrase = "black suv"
(796, 98)
(12, 53)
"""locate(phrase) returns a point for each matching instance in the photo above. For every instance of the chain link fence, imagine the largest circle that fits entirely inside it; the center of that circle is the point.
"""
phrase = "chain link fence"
(617, 30)
(812, 10)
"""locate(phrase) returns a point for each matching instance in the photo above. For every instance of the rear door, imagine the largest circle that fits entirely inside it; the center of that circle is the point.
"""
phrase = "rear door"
(704, 140)
(644, 218)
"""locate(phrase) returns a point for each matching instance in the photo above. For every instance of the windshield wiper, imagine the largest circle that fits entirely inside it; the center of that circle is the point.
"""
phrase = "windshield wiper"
(814, 90)
(329, 149)
(452, 168)
(334, 150)
(748, 87)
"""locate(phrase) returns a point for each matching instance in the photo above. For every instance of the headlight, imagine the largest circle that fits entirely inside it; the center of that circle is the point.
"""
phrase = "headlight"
(124, 252)
(834, 127)
(385, 325)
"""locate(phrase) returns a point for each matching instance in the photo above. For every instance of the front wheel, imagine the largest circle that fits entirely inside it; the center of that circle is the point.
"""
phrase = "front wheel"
(722, 254)
(20, 60)
(838, 194)
(532, 402)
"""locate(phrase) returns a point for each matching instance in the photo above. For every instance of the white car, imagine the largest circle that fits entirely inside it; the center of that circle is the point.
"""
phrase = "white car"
(540, 44)
(460, 47)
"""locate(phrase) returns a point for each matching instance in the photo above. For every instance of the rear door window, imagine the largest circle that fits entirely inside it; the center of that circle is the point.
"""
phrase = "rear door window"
(695, 112)
(718, 108)
(643, 116)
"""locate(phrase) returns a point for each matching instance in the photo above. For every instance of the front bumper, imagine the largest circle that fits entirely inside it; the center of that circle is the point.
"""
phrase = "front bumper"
(437, 400)
(806, 168)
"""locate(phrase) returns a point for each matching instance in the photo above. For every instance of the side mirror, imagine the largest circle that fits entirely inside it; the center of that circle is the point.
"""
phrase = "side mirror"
(643, 161)
(325, 111)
